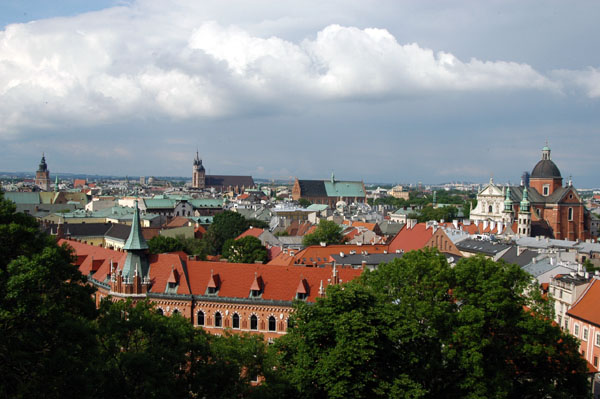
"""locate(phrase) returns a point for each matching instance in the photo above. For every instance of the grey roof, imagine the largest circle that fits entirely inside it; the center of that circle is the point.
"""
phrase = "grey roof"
(390, 228)
(534, 242)
(545, 169)
(371, 259)
(312, 188)
(540, 267)
(229, 181)
(82, 229)
(119, 231)
(484, 247)
(516, 195)
(522, 259)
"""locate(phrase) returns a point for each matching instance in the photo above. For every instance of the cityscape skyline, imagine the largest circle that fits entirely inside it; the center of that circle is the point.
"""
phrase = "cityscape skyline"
(409, 92)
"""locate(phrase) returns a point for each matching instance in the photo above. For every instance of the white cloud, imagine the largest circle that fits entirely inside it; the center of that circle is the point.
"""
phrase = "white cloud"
(140, 61)
(588, 80)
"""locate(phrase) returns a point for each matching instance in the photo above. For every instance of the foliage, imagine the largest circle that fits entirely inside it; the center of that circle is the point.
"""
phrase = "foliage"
(418, 328)
(304, 203)
(225, 225)
(247, 249)
(163, 244)
(430, 213)
(259, 224)
(191, 246)
(327, 231)
(45, 313)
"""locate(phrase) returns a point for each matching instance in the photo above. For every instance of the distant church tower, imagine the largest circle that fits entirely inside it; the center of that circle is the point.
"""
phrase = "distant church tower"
(507, 216)
(42, 176)
(524, 225)
(198, 174)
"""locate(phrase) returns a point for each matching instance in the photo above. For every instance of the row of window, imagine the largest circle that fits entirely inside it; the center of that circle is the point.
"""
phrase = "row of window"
(584, 336)
(235, 321)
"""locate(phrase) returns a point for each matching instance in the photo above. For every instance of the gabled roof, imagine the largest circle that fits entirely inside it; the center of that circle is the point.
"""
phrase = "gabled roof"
(312, 188)
(252, 231)
(345, 189)
(178, 221)
(587, 307)
(409, 239)
(32, 198)
(227, 181)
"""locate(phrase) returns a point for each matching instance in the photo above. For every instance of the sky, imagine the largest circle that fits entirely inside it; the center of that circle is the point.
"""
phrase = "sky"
(379, 91)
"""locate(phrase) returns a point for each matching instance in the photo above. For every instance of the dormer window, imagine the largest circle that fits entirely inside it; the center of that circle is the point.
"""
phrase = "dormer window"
(256, 287)
(302, 290)
(546, 190)
(212, 288)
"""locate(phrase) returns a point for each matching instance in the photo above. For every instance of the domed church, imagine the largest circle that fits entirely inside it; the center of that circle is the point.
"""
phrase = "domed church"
(544, 207)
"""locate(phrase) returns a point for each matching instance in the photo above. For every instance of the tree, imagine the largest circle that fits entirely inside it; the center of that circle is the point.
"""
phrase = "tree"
(225, 225)
(163, 244)
(46, 313)
(327, 231)
(418, 328)
(247, 249)
(304, 203)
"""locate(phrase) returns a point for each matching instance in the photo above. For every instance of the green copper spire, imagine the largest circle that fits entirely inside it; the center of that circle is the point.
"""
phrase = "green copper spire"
(136, 239)
(56, 184)
(508, 204)
(525, 204)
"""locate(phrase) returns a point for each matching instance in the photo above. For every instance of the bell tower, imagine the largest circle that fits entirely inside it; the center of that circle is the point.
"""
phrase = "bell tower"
(198, 174)
(42, 175)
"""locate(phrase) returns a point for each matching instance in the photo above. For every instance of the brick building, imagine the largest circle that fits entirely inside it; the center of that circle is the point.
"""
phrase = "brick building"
(212, 295)
(554, 210)
(329, 192)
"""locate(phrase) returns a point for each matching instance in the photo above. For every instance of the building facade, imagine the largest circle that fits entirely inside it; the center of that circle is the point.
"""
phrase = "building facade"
(555, 209)
(329, 192)
(220, 183)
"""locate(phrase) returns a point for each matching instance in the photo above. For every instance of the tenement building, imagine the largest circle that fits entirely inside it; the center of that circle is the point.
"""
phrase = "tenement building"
(215, 296)
(543, 207)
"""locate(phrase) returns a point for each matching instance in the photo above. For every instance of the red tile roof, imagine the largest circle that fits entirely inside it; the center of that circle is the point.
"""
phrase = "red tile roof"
(178, 221)
(278, 282)
(409, 239)
(587, 307)
(252, 231)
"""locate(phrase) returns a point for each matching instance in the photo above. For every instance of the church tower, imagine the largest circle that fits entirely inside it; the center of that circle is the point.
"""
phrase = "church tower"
(524, 225)
(42, 175)
(198, 174)
(134, 276)
(507, 214)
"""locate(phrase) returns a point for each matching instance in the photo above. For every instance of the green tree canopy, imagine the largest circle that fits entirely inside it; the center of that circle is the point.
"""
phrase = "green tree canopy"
(304, 203)
(46, 313)
(327, 231)
(247, 249)
(417, 328)
(163, 244)
(225, 225)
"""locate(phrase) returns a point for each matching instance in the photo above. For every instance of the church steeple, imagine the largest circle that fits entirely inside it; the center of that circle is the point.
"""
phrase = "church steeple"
(136, 240)
(524, 225)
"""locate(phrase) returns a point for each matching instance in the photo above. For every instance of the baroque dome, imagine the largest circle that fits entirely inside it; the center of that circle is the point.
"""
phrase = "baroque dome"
(545, 169)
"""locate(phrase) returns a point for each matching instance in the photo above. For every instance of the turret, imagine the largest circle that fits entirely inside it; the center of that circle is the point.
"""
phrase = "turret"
(507, 216)
(524, 225)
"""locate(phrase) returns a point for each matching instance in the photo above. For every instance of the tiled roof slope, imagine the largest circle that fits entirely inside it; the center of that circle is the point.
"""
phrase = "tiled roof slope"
(588, 306)
(312, 188)
(409, 239)
(226, 181)
(252, 231)
(279, 283)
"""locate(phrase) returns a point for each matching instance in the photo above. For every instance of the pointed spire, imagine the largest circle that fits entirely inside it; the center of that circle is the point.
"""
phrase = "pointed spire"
(136, 240)
(525, 204)
(508, 204)
(332, 178)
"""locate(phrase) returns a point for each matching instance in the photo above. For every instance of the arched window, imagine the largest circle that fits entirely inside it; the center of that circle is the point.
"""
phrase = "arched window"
(253, 322)
(218, 320)
(235, 320)
(159, 311)
(175, 311)
(200, 318)
(490, 209)
(272, 324)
